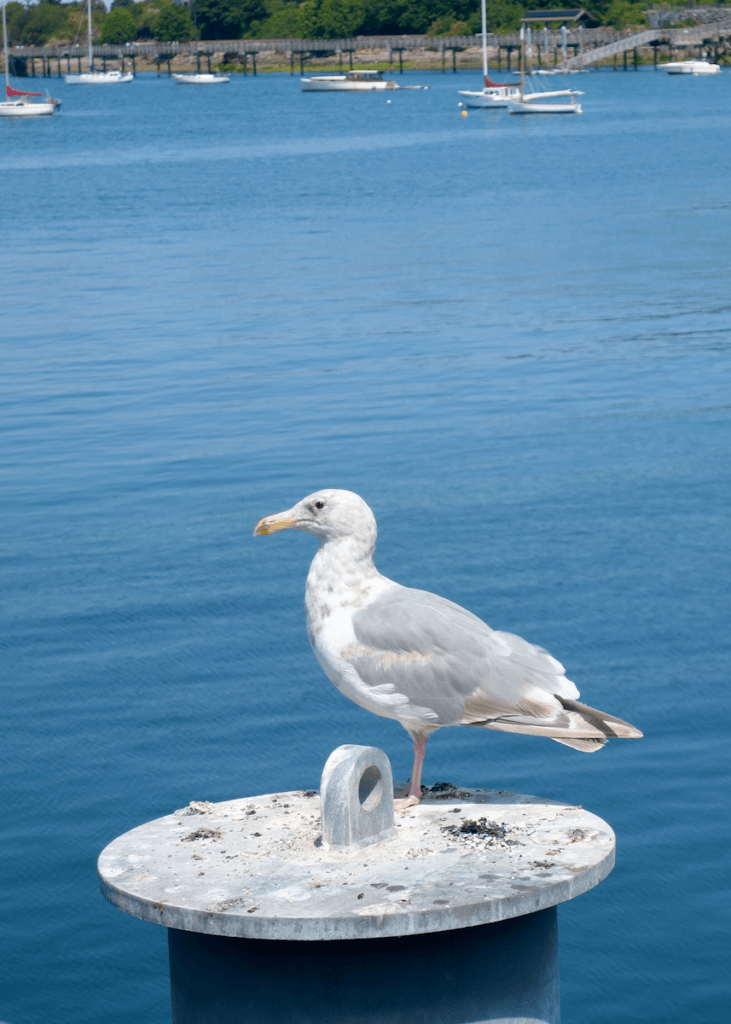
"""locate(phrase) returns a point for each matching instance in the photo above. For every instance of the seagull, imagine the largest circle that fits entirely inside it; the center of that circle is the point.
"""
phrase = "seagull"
(418, 658)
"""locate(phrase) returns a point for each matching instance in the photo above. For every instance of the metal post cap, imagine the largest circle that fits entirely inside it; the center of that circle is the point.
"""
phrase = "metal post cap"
(356, 798)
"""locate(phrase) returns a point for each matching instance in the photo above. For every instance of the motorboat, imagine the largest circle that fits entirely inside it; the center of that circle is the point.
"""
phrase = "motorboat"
(92, 76)
(350, 81)
(99, 78)
(691, 67)
(493, 94)
(534, 102)
(19, 103)
(200, 78)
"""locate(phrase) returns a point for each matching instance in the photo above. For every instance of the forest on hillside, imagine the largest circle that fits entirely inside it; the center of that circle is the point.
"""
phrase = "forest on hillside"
(35, 24)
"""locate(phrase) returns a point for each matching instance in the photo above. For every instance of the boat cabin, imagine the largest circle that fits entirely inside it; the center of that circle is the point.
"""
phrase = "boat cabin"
(364, 76)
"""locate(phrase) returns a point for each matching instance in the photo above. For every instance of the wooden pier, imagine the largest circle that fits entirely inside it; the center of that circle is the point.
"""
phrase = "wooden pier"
(581, 47)
(713, 39)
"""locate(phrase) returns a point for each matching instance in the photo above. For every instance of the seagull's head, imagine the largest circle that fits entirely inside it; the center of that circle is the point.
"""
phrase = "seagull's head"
(329, 514)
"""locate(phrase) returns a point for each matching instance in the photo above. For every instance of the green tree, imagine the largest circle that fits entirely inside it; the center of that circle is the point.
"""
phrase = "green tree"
(621, 13)
(503, 16)
(120, 27)
(45, 21)
(332, 19)
(17, 18)
(173, 24)
(145, 15)
(284, 21)
(228, 19)
(396, 17)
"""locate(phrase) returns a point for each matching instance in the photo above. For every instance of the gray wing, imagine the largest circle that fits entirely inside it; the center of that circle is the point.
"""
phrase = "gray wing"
(450, 665)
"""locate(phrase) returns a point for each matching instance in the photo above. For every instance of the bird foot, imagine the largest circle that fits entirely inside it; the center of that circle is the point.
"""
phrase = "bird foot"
(406, 797)
(402, 803)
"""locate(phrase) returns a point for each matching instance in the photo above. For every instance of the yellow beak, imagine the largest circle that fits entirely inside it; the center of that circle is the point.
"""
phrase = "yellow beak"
(272, 524)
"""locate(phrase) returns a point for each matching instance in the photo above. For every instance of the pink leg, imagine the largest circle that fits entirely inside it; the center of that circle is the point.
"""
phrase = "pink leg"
(412, 794)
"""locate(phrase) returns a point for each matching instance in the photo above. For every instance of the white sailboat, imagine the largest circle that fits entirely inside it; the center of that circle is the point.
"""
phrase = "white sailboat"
(533, 102)
(92, 77)
(493, 94)
(200, 78)
(19, 103)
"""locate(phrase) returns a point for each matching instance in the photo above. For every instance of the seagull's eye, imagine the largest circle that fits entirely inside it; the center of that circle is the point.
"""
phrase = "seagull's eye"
(319, 504)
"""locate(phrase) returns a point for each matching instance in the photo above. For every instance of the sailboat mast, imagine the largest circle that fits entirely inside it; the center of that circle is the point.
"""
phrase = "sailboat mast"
(483, 12)
(522, 62)
(88, 19)
(5, 51)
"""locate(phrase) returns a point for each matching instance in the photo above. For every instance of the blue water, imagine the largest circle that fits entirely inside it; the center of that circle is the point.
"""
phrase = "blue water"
(511, 336)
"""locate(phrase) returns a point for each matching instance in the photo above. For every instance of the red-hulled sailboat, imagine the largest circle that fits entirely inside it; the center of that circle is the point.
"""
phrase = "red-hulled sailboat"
(493, 94)
(19, 103)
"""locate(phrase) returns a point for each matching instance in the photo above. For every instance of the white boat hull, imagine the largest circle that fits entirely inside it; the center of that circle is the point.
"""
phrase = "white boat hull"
(490, 97)
(342, 85)
(99, 78)
(691, 67)
(545, 108)
(201, 79)
(25, 108)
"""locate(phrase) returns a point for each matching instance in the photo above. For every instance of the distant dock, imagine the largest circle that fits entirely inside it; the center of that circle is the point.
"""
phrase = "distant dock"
(582, 47)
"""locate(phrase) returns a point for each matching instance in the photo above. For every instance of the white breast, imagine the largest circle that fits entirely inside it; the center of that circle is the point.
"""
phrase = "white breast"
(331, 601)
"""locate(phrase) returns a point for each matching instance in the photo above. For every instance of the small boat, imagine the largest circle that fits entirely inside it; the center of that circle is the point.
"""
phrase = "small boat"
(528, 105)
(93, 77)
(350, 81)
(493, 94)
(19, 103)
(200, 78)
(533, 102)
(99, 78)
(691, 67)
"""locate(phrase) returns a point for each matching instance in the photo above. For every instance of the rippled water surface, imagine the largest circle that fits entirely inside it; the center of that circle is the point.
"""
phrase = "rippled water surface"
(511, 336)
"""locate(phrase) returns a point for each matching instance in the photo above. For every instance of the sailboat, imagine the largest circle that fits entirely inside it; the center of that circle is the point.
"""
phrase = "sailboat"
(532, 102)
(493, 94)
(92, 77)
(19, 103)
(200, 78)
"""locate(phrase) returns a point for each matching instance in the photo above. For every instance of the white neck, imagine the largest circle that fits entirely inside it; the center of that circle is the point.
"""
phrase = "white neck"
(343, 567)
(346, 555)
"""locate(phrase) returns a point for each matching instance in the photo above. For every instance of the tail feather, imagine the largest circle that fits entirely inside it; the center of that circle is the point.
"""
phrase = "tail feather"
(577, 726)
(588, 746)
(607, 724)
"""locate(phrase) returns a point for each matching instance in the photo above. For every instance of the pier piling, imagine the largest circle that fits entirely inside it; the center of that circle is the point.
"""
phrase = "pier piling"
(285, 900)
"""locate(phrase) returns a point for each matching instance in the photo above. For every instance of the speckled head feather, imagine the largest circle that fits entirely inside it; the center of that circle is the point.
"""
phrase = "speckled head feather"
(328, 514)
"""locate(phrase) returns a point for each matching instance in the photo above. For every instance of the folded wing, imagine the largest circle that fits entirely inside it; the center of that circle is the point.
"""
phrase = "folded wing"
(448, 667)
